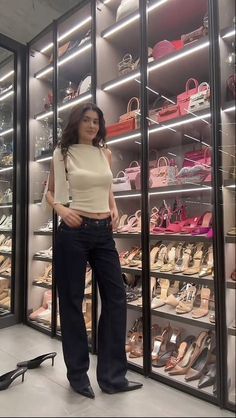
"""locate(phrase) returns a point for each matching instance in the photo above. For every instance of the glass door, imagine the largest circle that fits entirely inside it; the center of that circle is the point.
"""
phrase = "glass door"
(39, 304)
(183, 351)
(7, 181)
(227, 22)
(118, 95)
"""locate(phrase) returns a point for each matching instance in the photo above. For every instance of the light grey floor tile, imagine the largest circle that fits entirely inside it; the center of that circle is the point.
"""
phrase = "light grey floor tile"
(46, 392)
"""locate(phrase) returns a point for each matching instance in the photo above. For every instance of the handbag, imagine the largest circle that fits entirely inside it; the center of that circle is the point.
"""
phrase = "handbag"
(200, 100)
(132, 113)
(84, 85)
(125, 8)
(159, 174)
(61, 51)
(162, 48)
(183, 99)
(196, 166)
(194, 35)
(121, 182)
(231, 87)
(127, 64)
(168, 111)
(132, 171)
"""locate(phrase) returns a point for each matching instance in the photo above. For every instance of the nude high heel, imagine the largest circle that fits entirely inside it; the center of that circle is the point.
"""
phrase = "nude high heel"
(204, 307)
(197, 260)
(158, 301)
(207, 269)
(186, 305)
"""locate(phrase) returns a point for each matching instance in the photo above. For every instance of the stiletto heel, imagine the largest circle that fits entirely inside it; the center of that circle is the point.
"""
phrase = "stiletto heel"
(7, 378)
(35, 362)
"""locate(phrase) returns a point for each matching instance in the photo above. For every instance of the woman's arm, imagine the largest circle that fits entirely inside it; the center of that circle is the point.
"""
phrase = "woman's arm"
(69, 216)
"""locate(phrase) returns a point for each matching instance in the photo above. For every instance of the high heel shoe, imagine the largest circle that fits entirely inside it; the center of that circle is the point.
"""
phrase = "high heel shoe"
(204, 307)
(35, 362)
(207, 269)
(7, 378)
(197, 261)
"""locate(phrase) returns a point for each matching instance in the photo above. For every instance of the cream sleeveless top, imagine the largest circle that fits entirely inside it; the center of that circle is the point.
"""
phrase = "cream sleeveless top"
(88, 179)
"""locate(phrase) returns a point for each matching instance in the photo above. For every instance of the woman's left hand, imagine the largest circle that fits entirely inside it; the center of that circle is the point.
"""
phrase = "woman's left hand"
(114, 218)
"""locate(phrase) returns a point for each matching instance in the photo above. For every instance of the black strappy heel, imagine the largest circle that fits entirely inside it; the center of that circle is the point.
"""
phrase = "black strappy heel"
(7, 378)
(35, 362)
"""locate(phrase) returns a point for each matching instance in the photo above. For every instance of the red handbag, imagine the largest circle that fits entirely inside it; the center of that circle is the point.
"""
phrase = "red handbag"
(183, 99)
(162, 48)
(169, 111)
(120, 128)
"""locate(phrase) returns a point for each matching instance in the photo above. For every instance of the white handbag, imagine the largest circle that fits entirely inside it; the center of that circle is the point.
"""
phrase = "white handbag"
(121, 182)
(85, 85)
(201, 99)
(125, 8)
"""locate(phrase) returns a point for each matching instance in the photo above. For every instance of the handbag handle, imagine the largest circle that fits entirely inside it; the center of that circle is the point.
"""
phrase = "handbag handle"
(207, 153)
(131, 102)
(127, 58)
(134, 163)
(119, 174)
(202, 86)
(189, 81)
(163, 159)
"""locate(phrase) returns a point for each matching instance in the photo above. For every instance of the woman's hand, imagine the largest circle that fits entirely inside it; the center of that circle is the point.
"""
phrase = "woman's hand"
(114, 218)
(70, 217)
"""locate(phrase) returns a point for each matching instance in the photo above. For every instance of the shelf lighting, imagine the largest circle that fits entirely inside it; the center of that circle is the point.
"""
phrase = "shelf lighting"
(158, 65)
(63, 61)
(44, 115)
(179, 56)
(127, 195)
(67, 105)
(229, 109)
(8, 131)
(157, 4)
(196, 189)
(39, 160)
(6, 75)
(6, 169)
(131, 20)
(121, 26)
(183, 122)
(5, 206)
(6, 95)
(106, 1)
(124, 138)
(64, 35)
(123, 81)
(229, 34)
(232, 186)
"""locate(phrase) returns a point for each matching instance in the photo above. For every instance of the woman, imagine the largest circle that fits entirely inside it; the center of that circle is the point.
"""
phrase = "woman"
(81, 165)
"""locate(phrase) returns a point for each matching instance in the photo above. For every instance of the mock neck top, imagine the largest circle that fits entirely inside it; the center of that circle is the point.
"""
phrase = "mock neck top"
(88, 179)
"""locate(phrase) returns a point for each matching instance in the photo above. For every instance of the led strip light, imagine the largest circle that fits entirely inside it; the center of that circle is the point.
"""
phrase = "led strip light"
(192, 189)
(64, 35)
(230, 109)
(63, 61)
(6, 169)
(229, 34)
(6, 75)
(10, 93)
(39, 160)
(8, 131)
(63, 107)
(131, 20)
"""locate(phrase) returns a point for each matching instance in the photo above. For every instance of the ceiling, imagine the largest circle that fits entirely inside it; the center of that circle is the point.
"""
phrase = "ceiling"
(22, 20)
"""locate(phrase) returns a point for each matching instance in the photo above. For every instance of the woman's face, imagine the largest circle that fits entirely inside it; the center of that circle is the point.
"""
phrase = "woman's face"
(89, 126)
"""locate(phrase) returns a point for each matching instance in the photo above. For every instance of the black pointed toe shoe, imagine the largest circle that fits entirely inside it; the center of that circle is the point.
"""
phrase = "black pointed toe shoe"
(35, 362)
(7, 378)
(128, 387)
(87, 391)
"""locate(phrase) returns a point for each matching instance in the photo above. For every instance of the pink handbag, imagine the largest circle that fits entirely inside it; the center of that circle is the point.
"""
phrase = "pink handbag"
(183, 99)
(162, 48)
(132, 171)
(196, 166)
(159, 174)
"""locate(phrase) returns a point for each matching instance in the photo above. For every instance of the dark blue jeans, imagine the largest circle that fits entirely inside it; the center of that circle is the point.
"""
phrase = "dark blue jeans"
(92, 242)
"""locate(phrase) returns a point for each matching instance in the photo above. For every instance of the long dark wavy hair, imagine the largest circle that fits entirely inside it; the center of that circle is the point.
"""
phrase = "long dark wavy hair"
(70, 133)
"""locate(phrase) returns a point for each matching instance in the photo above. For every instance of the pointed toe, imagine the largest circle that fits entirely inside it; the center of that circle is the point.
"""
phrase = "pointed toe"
(86, 391)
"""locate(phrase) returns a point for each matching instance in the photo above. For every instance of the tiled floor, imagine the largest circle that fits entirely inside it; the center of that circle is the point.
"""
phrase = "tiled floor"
(46, 393)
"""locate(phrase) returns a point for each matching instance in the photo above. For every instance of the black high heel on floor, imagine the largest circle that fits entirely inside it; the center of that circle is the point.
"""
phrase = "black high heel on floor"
(7, 378)
(35, 362)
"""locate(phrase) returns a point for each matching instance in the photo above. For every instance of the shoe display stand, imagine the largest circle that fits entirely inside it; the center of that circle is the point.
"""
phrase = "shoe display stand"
(57, 92)
(227, 24)
(160, 130)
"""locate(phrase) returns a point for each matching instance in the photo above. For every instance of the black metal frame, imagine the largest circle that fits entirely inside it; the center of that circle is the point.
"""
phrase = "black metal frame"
(19, 175)
(221, 333)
